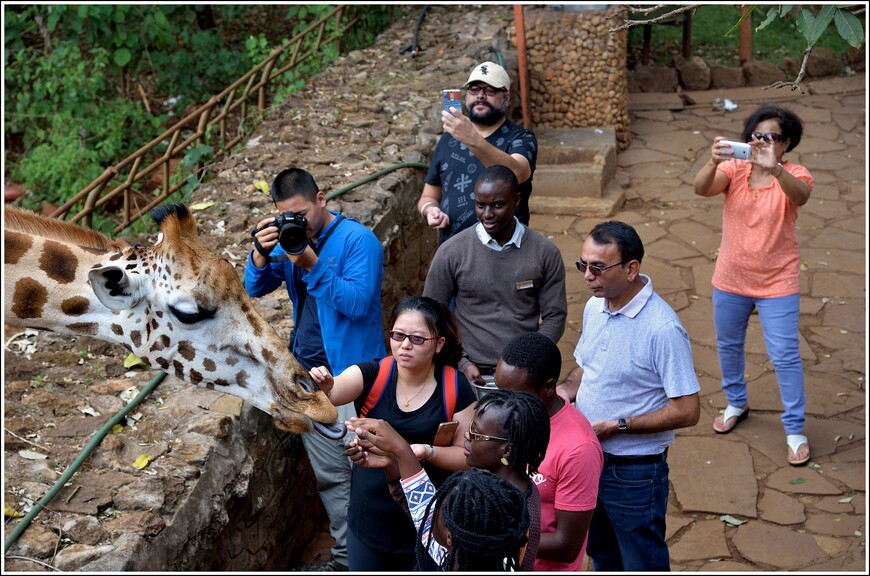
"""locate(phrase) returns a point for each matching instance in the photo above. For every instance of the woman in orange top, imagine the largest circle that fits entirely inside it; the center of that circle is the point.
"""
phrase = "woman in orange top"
(759, 263)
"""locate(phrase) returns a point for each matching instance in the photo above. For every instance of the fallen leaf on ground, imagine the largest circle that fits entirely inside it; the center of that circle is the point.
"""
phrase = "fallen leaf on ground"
(142, 462)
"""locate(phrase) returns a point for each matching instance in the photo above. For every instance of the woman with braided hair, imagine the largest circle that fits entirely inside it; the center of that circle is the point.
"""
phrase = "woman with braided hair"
(508, 436)
(480, 521)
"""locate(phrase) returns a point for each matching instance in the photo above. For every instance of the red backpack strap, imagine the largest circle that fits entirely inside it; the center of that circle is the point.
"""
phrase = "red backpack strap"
(380, 384)
(450, 389)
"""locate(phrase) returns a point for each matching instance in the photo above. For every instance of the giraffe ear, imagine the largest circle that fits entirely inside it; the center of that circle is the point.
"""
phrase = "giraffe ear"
(115, 288)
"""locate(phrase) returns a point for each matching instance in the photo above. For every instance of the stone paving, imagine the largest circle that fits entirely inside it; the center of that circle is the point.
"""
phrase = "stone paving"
(810, 518)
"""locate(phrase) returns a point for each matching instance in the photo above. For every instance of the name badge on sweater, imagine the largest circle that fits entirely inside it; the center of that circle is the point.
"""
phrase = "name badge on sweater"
(524, 285)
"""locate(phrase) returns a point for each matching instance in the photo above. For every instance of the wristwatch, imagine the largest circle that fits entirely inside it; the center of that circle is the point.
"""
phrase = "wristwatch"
(622, 425)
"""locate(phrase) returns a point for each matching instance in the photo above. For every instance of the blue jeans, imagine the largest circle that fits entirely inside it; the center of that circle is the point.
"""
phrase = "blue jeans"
(627, 532)
(779, 326)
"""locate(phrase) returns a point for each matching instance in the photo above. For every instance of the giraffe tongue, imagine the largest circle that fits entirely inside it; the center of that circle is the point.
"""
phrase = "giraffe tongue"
(333, 432)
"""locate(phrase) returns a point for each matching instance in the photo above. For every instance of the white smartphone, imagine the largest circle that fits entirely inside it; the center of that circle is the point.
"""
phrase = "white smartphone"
(742, 151)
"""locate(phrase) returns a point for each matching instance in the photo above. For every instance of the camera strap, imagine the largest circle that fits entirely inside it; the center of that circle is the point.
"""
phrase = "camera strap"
(301, 290)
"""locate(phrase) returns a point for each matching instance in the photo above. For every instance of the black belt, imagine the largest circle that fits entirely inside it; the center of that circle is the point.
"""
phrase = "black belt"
(646, 459)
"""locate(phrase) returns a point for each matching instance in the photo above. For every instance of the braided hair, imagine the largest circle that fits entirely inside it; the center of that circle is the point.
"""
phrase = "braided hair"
(488, 520)
(526, 425)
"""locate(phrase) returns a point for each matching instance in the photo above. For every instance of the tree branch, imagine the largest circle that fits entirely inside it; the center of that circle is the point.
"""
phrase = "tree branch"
(796, 83)
(638, 10)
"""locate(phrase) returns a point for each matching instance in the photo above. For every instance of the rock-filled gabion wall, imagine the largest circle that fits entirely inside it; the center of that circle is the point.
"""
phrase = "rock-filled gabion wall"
(577, 69)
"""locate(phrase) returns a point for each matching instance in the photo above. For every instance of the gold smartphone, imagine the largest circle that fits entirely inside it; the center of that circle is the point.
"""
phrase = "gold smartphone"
(445, 433)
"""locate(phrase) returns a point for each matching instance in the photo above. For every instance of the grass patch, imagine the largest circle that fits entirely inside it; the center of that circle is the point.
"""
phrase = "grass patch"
(780, 39)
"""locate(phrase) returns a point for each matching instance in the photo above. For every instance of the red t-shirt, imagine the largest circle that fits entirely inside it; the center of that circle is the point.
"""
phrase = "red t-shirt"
(568, 477)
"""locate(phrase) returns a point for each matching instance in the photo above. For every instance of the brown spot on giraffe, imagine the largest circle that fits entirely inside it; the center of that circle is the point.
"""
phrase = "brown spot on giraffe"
(75, 306)
(185, 348)
(118, 329)
(136, 338)
(179, 369)
(242, 379)
(209, 365)
(269, 356)
(29, 298)
(161, 343)
(195, 377)
(162, 362)
(89, 328)
(58, 262)
(15, 245)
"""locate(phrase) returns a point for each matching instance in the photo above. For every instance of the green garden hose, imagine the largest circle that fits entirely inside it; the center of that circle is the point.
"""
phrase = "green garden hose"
(68, 473)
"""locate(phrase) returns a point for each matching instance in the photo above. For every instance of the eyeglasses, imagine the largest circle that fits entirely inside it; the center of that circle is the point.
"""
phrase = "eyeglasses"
(488, 90)
(414, 338)
(767, 136)
(478, 437)
(596, 270)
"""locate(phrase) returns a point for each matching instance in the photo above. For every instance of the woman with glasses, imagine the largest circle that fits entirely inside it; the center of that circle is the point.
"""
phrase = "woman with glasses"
(508, 437)
(758, 266)
(414, 399)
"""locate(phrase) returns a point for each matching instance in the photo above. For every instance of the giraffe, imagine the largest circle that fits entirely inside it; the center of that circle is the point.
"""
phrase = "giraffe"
(174, 305)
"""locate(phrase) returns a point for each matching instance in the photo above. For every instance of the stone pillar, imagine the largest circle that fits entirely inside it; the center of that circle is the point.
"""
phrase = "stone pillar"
(577, 69)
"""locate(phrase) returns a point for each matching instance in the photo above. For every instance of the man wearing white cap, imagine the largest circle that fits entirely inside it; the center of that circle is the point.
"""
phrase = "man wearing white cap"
(471, 143)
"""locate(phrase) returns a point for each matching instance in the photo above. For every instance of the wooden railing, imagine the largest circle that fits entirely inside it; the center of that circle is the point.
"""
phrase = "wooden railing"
(234, 112)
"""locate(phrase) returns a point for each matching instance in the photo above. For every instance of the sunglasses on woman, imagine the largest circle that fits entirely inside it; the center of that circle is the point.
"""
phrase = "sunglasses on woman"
(414, 338)
(767, 137)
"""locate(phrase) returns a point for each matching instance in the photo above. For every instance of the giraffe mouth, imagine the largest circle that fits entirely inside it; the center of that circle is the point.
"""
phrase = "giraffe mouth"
(333, 431)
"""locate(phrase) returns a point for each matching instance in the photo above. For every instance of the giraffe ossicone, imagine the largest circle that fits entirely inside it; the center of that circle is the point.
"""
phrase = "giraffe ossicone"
(175, 305)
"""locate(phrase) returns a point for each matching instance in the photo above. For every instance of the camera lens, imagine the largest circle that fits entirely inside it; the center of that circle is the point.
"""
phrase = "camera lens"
(292, 234)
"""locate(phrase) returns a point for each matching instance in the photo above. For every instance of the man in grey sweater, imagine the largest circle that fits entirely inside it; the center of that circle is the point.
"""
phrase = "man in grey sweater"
(504, 278)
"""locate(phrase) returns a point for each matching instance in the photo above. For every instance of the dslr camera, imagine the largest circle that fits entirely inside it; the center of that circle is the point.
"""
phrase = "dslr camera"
(292, 233)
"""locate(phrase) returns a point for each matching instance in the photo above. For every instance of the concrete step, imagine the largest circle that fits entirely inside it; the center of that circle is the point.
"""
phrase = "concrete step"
(574, 162)
(607, 205)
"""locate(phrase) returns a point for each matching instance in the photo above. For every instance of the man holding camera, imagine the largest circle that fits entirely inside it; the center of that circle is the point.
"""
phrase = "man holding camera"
(333, 274)
(483, 138)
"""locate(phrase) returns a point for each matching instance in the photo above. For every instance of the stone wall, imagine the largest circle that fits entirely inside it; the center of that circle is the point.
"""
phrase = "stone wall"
(578, 77)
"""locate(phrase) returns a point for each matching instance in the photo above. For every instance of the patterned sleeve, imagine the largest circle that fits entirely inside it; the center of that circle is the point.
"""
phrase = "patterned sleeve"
(419, 491)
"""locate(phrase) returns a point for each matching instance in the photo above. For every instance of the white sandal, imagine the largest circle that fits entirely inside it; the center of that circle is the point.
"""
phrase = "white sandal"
(731, 412)
(795, 441)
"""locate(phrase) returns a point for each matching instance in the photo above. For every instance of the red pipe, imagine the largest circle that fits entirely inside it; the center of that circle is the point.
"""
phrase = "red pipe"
(524, 71)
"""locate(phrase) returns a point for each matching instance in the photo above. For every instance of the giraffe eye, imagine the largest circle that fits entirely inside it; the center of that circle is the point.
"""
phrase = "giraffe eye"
(192, 317)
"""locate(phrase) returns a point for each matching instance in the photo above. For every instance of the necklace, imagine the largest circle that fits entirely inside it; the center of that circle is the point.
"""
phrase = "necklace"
(407, 401)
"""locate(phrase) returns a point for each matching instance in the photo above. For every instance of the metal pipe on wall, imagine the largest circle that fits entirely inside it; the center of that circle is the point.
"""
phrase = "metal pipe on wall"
(519, 21)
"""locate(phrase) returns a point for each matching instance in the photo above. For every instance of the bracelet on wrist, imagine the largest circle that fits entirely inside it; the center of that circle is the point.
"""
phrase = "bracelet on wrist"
(430, 452)
(781, 168)
(423, 208)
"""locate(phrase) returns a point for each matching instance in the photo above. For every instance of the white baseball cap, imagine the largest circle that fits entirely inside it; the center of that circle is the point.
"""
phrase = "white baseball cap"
(492, 74)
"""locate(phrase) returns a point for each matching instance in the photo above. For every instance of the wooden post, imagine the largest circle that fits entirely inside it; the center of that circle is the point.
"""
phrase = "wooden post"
(745, 51)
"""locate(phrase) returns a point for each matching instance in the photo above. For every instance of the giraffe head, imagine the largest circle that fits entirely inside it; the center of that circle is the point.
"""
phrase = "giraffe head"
(174, 304)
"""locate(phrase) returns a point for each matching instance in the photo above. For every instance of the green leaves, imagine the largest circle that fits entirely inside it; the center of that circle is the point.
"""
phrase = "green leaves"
(122, 57)
(812, 27)
(849, 27)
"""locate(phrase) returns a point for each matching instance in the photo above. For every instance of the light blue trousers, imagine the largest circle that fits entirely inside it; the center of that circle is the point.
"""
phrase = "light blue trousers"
(779, 326)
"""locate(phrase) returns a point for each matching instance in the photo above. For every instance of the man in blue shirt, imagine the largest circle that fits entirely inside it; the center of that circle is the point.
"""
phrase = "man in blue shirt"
(635, 382)
(334, 282)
